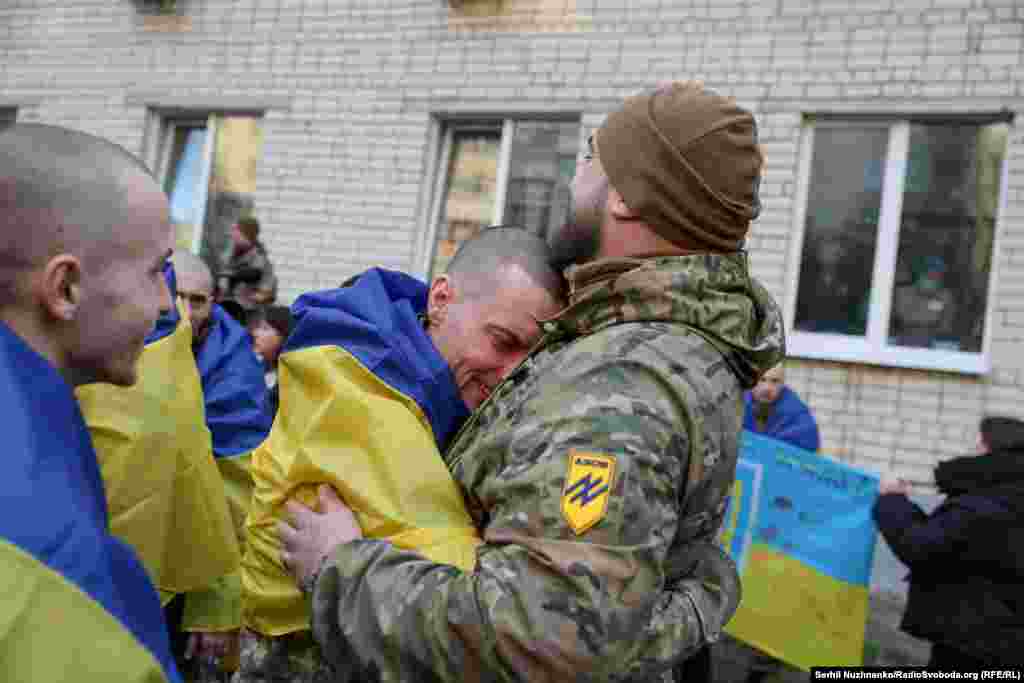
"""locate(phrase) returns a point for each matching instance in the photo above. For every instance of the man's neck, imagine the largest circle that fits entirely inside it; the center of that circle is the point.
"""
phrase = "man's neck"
(635, 239)
(199, 339)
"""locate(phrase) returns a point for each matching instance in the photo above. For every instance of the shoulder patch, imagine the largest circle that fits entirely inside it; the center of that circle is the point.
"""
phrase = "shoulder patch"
(588, 485)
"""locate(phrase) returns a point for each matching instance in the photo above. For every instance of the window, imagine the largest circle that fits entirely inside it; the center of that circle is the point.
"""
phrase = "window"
(492, 172)
(207, 165)
(898, 234)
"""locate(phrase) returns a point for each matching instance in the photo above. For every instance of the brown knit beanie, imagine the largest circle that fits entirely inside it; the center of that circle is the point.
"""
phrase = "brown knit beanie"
(686, 160)
(250, 227)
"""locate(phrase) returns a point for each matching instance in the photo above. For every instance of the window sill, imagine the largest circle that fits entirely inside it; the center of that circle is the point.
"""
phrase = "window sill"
(842, 348)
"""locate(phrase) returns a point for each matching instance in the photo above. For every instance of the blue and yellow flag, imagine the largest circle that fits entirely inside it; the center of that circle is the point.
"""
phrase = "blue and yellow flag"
(366, 403)
(164, 491)
(239, 417)
(77, 604)
(234, 389)
(799, 527)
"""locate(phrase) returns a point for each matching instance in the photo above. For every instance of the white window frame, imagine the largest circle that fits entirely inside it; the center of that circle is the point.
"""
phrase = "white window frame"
(440, 180)
(443, 139)
(874, 348)
(169, 126)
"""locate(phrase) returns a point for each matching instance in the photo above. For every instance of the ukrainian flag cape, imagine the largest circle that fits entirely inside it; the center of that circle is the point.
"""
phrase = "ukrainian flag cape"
(367, 402)
(164, 492)
(234, 390)
(239, 417)
(77, 604)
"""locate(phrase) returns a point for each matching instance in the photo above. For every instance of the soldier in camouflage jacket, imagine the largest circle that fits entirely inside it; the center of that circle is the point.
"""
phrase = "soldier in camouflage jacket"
(598, 472)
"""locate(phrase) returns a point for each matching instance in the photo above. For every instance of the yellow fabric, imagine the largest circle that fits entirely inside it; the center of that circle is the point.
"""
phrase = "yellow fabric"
(806, 618)
(50, 630)
(164, 491)
(219, 608)
(339, 424)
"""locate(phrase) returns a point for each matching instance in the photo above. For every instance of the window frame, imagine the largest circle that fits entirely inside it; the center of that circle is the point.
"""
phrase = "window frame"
(168, 127)
(165, 113)
(873, 348)
(439, 156)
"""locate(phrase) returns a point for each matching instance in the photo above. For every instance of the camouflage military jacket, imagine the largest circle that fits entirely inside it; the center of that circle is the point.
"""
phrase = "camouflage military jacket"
(598, 474)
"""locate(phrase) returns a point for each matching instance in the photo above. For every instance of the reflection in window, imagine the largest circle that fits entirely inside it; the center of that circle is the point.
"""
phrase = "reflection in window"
(472, 180)
(208, 167)
(185, 183)
(898, 241)
(947, 226)
(543, 161)
(510, 172)
(841, 230)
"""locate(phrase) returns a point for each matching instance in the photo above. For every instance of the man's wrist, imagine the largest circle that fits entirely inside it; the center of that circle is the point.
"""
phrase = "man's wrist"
(309, 583)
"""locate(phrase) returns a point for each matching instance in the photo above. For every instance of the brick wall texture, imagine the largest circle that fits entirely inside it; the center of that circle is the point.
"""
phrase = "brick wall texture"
(354, 86)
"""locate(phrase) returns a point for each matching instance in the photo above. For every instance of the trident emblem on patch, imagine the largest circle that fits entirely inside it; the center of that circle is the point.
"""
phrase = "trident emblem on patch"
(588, 485)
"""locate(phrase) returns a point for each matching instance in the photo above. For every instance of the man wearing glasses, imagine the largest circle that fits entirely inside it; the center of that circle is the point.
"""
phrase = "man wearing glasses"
(239, 416)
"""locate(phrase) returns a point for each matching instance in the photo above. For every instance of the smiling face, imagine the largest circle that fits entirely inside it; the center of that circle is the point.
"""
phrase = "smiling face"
(483, 336)
(123, 296)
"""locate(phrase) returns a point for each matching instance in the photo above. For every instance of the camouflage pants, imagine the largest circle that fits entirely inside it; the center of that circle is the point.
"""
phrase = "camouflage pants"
(292, 658)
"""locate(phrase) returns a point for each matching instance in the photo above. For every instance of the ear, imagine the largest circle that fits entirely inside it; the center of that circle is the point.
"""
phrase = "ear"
(60, 287)
(441, 295)
(618, 208)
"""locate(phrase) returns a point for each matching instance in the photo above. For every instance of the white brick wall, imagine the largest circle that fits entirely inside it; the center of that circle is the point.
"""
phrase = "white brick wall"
(339, 184)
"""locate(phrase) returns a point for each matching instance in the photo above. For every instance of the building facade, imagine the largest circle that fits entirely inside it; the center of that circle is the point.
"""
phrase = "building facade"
(381, 132)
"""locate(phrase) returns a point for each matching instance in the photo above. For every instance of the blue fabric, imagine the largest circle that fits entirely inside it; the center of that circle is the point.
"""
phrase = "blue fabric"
(376, 320)
(791, 421)
(234, 390)
(52, 502)
(168, 321)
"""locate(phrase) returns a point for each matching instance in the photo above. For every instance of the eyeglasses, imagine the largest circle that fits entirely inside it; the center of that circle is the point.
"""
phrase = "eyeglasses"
(194, 298)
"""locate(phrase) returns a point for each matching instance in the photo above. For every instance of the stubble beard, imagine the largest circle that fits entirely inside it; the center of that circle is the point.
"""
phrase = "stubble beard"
(579, 240)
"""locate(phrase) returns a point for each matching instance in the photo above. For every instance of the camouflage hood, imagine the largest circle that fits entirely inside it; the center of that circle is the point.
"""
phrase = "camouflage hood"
(713, 294)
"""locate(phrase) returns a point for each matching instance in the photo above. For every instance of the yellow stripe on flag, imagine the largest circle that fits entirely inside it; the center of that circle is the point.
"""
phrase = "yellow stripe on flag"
(803, 617)
(340, 424)
(50, 630)
(164, 492)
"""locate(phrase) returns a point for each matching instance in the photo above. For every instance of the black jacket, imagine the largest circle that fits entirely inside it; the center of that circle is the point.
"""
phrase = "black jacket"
(966, 559)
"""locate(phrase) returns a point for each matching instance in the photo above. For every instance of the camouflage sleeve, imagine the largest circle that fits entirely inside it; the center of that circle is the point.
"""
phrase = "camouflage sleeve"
(559, 593)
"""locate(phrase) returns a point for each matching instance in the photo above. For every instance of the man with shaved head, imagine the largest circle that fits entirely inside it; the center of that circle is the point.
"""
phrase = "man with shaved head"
(205, 623)
(598, 471)
(195, 288)
(375, 379)
(84, 236)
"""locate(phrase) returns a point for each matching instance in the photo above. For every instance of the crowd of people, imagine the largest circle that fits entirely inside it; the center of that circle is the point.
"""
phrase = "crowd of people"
(516, 471)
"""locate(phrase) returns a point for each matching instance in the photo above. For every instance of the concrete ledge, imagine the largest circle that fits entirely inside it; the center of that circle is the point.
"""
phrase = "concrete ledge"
(220, 103)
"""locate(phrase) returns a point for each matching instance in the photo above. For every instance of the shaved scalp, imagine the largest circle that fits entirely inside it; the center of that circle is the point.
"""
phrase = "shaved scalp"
(479, 260)
(191, 272)
(61, 192)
